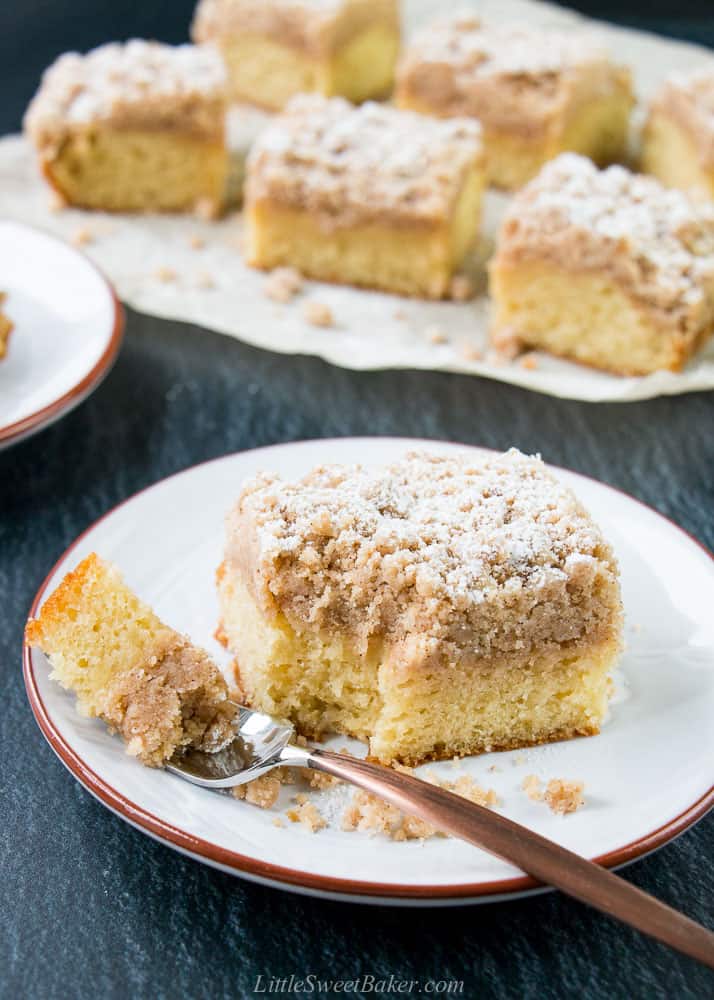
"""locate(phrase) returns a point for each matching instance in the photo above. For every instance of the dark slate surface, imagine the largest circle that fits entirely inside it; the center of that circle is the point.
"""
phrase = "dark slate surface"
(92, 908)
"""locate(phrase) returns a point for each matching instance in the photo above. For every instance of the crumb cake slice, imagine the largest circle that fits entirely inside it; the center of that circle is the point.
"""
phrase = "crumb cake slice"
(443, 605)
(146, 681)
(605, 267)
(6, 327)
(678, 138)
(536, 92)
(134, 127)
(367, 196)
(275, 49)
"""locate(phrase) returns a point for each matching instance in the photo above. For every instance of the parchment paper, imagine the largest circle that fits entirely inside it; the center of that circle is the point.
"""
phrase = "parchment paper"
(372, 330)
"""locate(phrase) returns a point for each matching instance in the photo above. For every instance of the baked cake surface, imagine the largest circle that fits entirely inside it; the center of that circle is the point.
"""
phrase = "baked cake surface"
(6, 327)
(369, 195)
(606, 267)
(536, 92)
(678, 140)
(442, 605)
(133, 126)
(142, 678)
(275, 49)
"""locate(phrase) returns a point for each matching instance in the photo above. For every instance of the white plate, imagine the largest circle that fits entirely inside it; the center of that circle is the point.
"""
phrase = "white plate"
(648, 776)
(67, 330)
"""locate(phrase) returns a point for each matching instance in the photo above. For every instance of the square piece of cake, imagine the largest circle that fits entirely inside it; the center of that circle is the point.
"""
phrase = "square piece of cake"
(274, 49)
(146, 681)
(6, 327)
(608, 268)
(678, 138)
(366, 196)
(135, 127)
(441, 606)
(536, 92)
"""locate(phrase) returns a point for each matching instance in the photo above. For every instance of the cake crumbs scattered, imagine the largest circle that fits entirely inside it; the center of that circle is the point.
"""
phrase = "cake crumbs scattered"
(469, 353)
(367, 812)
(307, 814)
(532, 787)
(279, 823)
(206, 209)
(205, 280)
(436, 335)
(320, 780)
(518, 760)
(196, 242)
(82, 236)
(318, 314)
(564, 796)
(283, 284)
(506, 344)
(462, 288)
(529, 362)
(493, 768)
(165, 274)
(399, 314)
(262, 792)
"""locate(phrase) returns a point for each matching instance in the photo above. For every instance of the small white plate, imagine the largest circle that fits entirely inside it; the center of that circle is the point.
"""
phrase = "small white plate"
(648, 776)
(67, 330)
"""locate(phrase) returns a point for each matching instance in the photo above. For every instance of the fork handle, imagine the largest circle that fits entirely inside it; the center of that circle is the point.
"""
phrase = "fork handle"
(540, 857)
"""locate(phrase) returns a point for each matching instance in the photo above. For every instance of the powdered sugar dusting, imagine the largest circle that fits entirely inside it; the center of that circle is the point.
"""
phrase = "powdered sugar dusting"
(437, 546)
(345, 161)
(104, 83)
(477, 49)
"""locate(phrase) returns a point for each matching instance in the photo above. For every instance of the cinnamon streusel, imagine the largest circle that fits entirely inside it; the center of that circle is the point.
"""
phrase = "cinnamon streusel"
(275, 49)
(536, 92)
(367, 196)
(605, 267)
(133, 127)
(444, 605)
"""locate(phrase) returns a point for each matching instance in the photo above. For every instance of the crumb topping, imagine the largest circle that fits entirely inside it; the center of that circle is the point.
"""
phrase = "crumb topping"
(564, 796)
(318, 314)
(318, 26)
(689, 98)
(178, 699)
(346, 164)
(132, 84)
(656, 241)
(283, 284)
(307, 814)
(486, 555)
(369, 813)
(514, 75)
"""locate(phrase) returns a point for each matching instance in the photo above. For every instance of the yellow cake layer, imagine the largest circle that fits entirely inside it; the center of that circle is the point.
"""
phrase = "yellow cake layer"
(135, 171)
(417, 259)
(323, 685)
(597, 129)
(670, 154)
(268, 73)
(126, 667)
(584, 316)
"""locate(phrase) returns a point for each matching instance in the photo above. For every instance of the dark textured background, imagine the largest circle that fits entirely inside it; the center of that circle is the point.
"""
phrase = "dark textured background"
(91, 908)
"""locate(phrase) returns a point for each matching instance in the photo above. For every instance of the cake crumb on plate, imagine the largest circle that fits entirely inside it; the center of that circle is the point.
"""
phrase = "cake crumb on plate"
(283, 284)
(564, 796)
(308, 815)
(318, 314)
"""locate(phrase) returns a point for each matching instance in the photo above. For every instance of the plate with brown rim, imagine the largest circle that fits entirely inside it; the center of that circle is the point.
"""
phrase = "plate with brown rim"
(648, 775)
